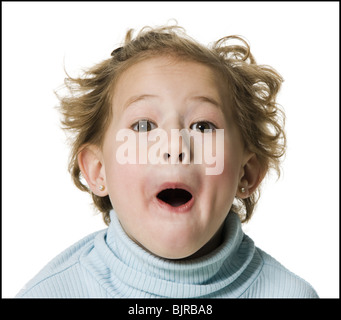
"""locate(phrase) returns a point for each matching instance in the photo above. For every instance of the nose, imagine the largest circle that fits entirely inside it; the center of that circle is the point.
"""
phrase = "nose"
(178, 150)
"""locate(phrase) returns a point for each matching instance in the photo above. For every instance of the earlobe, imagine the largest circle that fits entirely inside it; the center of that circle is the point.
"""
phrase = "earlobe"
(252, 175)
(92, 168)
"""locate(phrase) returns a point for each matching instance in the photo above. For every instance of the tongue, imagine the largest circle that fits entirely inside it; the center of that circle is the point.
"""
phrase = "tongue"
(175, 197)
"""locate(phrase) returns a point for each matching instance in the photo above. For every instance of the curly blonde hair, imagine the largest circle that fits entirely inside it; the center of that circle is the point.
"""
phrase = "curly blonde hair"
(253, 88)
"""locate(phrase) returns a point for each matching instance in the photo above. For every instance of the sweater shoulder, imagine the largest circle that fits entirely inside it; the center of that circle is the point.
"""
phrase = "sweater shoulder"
(276, 281)
(64, 268)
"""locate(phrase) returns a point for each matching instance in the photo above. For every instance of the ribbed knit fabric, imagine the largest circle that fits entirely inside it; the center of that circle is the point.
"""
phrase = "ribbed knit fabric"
(109, 264)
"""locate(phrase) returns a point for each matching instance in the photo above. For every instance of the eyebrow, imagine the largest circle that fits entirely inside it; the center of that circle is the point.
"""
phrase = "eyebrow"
(206, 99)
(138, 98)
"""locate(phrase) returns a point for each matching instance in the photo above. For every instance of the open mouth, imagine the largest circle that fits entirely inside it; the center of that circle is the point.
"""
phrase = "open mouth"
(174, 197)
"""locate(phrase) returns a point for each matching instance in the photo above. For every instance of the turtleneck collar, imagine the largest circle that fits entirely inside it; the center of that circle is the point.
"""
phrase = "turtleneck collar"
(144, 274)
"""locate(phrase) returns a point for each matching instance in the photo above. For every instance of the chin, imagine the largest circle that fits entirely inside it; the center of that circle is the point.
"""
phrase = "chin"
(174, 249)
(184, 244)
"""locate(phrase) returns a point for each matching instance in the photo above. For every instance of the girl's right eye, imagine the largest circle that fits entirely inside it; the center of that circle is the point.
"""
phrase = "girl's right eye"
(143, 126)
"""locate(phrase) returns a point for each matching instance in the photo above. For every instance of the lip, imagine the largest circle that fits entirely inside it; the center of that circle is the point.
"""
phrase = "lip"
(175, 185)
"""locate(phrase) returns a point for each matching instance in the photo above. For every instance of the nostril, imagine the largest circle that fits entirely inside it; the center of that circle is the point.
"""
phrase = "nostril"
(181, 156)
(166, 156)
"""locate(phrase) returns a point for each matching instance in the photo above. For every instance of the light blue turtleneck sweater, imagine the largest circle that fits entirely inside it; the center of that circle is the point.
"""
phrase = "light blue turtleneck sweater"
(109, 264)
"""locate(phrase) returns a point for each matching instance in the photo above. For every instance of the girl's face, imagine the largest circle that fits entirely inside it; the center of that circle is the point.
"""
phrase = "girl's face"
(174, 210)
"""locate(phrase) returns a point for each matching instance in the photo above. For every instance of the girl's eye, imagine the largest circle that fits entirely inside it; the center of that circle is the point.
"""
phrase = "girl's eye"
(202, 126)
(143, 126)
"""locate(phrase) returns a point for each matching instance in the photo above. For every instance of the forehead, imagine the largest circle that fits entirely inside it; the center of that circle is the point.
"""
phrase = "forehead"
(165, 75)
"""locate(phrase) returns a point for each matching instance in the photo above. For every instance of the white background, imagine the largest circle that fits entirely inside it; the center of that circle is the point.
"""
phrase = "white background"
(297, 219)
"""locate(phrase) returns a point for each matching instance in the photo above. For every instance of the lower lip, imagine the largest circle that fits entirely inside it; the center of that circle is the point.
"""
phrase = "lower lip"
(180, 209)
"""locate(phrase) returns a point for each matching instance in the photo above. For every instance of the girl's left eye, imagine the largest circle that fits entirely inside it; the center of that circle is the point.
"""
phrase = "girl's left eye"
(202, 126)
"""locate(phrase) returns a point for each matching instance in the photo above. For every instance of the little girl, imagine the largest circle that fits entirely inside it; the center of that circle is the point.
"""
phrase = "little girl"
(173, 140)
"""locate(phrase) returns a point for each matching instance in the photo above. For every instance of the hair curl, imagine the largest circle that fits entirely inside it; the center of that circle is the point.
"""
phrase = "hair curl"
(253, 88)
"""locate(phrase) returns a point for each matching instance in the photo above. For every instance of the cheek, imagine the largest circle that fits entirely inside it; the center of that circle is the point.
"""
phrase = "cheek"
(222, 188)
(118, 177)
(224, 155)
(122, 186)
(229, 180)
(225, 184)
(126, 179)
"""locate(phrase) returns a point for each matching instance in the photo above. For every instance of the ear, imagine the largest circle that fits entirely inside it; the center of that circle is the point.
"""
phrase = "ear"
(92, 167)
(251, 176)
